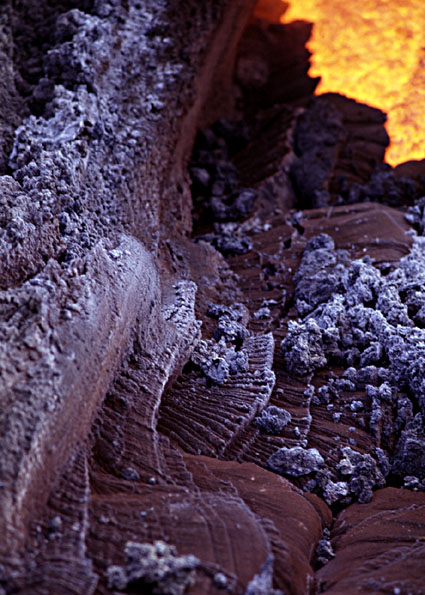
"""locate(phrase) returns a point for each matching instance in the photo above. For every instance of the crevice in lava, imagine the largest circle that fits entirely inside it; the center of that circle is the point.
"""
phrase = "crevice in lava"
(337, 148)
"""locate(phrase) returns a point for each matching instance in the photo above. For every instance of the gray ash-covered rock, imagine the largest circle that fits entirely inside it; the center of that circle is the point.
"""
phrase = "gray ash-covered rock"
(334, 491)
(296, 461)
(224, 355)
(262, 313)
(153, 566)
(303, 348)
(104, 151)
(326, 394)
(231, 322)
(217, 360)
(365, 320)
(363, 473)
(414, 483)
(365, 376)
(56, 155)
(110, 79)
(262, 583)
(237, 312)
(230, 330)
(416, 215)
(273, 420)
(354, 315)
(321, 273)
(354, 477)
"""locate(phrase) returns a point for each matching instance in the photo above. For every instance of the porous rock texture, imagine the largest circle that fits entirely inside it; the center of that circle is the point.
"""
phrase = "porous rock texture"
(204, 389)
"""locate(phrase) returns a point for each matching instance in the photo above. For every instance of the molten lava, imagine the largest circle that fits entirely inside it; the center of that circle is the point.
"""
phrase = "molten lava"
(373, 51)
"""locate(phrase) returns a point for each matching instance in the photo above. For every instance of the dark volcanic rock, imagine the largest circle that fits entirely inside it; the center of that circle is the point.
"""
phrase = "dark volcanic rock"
(363, 147)
(318, 133)
(12, 105)
(233, 207)
(385, 186)
(229, 239)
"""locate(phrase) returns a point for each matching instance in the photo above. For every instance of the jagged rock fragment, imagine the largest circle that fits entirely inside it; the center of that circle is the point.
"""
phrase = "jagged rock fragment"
(303, 348)
(217, 361)
(320, 274)
(318, 133)
(416, 215)
(236, 312)
(324, 551)
(334, 491)
(230, 330)
(229, 239)
(273, 420)
(156, 566)
(262, 583)
(295, 461)
(363, 471)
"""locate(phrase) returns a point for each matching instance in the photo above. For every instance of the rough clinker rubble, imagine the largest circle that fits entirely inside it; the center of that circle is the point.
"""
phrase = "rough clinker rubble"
(353, 314)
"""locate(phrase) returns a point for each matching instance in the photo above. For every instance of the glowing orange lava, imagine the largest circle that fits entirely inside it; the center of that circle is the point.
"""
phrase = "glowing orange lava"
(373, 51)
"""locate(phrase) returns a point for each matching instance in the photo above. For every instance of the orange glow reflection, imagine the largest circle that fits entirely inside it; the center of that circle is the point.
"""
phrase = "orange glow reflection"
(373, 51)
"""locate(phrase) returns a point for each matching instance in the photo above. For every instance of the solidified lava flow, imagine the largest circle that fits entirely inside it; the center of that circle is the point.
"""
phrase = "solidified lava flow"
(212, 311)
(372, 51)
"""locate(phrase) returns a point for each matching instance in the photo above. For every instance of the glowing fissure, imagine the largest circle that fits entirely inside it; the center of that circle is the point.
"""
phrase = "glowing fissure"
(373, 51)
